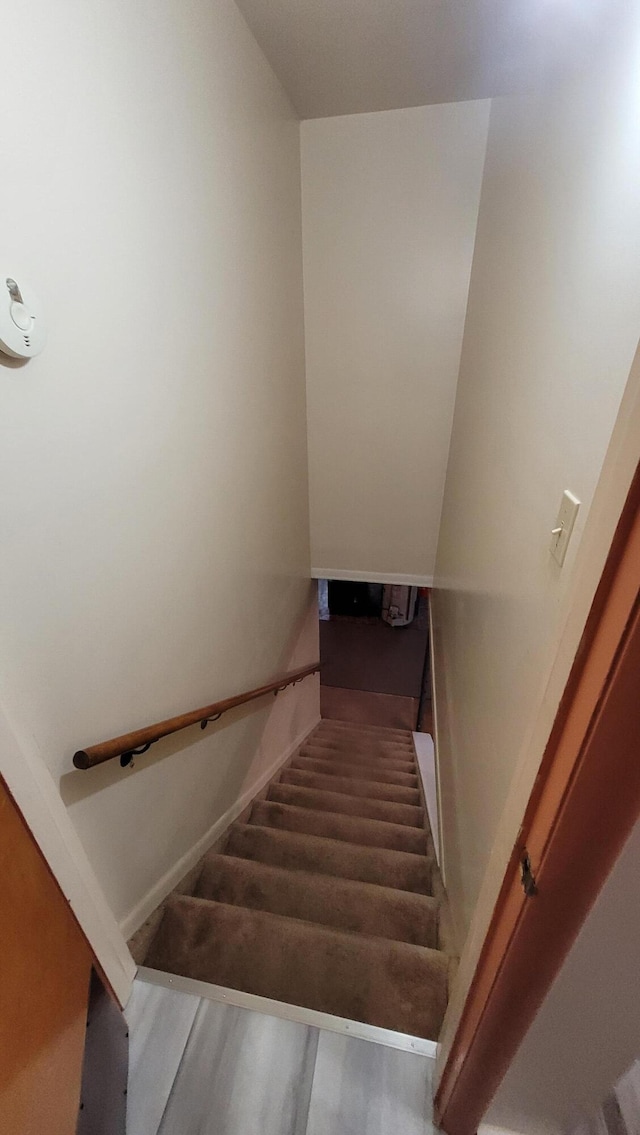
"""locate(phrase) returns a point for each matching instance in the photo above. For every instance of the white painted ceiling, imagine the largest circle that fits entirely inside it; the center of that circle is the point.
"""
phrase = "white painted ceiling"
(350, 56)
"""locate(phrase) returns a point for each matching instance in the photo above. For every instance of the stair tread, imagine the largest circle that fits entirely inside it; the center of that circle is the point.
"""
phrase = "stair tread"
(402, 870)
(328, 801)
(374, 740)
(356, 756)
(359, 830)
(364, 741)
(336, 723)
(346, 904)
(354, 786)
(333, 768)
(390, 984)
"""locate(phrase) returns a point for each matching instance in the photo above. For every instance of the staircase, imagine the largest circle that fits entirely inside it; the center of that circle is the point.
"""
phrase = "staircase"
(325, 897)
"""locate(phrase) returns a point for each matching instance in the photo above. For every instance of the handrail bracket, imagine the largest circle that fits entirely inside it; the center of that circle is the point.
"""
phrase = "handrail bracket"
(205, 721)
(127, 758)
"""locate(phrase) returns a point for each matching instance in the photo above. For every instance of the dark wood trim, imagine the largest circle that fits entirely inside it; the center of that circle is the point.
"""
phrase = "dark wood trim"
(140, 739)
(584, 804)
(46, 963)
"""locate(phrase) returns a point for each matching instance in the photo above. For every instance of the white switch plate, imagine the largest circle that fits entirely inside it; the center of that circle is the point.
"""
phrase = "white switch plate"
(566, 519)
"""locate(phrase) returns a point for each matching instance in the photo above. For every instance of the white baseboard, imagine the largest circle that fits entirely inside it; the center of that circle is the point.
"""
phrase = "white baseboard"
(434, 710)
(373, 577)
(425, 756)
(313, 1017)
(133, 921)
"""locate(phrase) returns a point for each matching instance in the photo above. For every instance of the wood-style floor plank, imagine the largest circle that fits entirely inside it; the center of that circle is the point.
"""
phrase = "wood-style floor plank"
(160, 1021)
(242, 1073)
(366, 1089)
(201, 1067)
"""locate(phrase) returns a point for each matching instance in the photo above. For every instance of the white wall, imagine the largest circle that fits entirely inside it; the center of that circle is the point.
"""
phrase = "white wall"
(390, 202)
(551, 330)
(153, 486)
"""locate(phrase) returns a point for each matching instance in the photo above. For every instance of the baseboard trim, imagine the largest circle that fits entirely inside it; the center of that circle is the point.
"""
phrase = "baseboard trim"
(434, 709)
(372, 577)
(134, 920)
(298, 1013)
(425, 756)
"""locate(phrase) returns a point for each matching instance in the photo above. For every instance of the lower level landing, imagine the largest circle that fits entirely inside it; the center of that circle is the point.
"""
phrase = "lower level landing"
(201, 1067)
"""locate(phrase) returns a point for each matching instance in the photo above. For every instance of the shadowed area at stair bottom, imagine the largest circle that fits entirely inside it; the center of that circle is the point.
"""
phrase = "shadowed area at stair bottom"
(325, 898)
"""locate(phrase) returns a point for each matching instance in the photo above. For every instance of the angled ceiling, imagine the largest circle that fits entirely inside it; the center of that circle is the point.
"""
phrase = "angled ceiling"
(350, 56)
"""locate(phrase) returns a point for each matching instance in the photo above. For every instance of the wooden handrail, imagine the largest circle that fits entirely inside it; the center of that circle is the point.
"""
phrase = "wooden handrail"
(132, 744)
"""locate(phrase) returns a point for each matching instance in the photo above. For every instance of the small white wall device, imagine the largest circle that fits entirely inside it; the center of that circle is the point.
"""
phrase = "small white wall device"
(22, 329)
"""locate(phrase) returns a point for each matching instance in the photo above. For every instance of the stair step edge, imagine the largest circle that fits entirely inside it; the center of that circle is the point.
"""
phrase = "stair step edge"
(386, 824)
(339, 843)
(362, 727)
(353, 781)
(326, 932)
(348, 797)
(335, 752)
(344, 904)
(348, 884)
(347, 769)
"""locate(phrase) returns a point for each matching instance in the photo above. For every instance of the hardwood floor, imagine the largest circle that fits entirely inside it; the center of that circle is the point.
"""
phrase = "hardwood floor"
(199, 1067)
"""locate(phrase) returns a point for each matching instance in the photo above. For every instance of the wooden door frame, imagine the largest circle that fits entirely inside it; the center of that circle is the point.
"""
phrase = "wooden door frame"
(46, 970)
(575, 825)
(34, 791)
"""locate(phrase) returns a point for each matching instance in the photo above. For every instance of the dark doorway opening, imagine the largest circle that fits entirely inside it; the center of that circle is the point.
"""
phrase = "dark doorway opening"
(374, 672)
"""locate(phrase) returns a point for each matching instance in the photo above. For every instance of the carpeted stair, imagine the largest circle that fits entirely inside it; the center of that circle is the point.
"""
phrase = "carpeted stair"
(329, 896)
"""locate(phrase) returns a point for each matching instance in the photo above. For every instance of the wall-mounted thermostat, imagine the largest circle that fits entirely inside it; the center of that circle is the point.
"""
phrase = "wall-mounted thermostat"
(22, 329)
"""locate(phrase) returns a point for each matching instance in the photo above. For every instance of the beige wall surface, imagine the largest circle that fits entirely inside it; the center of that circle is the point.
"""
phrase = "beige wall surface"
(552, 325)
(618, 470)
(390, 203)
(153, 484)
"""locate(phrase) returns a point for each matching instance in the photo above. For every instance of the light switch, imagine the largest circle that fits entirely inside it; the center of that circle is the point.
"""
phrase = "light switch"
(561, 533)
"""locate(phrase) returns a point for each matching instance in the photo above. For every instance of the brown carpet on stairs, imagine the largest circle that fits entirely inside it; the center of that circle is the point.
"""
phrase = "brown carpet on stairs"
(325, 898)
